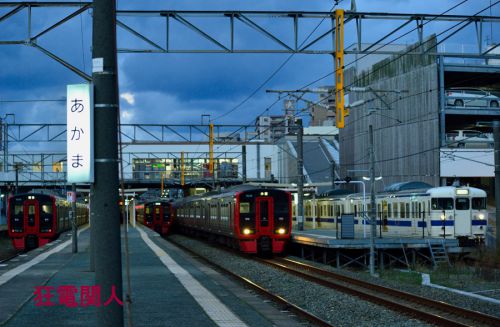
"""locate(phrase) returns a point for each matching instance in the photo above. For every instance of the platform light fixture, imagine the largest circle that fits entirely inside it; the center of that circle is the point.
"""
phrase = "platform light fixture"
(376, 178)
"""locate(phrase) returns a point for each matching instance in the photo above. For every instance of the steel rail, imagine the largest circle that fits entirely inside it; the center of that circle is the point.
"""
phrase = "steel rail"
(265, 292)
(447, 315)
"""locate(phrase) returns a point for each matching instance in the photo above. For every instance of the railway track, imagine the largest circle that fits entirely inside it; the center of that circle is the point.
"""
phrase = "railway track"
(261, 290)
(9, 256)
(435, 312)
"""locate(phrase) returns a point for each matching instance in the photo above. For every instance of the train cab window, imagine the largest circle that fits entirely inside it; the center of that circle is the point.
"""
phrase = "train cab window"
(478, 203)
(442, 204)
(18, 210)
(389, 210)
(407, 211)
(166, 212)
(31, 215)
(244, 207)
(462, 203)
(46, 208)
(402, 211)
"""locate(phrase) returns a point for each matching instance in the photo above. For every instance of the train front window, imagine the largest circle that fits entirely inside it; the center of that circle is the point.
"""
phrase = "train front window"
(264, 213)
(46, 217)
(31, 215)
(442, 204)
(148, 217)
(462, 204)
(247, 216)
(479, 203)
(166, 212)
(17, 218)
(244, 207)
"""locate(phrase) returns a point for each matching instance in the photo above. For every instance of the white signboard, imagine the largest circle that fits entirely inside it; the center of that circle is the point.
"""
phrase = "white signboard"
(79, 133)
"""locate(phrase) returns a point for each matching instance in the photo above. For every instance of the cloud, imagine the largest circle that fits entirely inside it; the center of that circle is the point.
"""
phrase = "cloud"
(128, 97)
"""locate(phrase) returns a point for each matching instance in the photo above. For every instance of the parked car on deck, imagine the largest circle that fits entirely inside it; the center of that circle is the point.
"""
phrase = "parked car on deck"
(469, 97)
(469, 139)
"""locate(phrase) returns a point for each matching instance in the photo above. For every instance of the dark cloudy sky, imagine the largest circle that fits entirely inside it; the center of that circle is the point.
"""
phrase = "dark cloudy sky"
(179, 88)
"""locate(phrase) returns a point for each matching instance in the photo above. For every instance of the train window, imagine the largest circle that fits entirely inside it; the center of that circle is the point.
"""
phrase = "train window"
(47, 208)
(389, 210)
(244, 207)
(419, 210)
(478, 203)
(407, 210)
(18, 210)
(31, 209)
(442, 203)
(402, 212)
(379, 209)
(330, 210)
(462, 203)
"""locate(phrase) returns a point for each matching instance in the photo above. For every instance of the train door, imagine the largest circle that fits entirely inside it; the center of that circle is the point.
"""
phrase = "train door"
(264, 215)
(157, 217)
(463, 222)
(31, 214)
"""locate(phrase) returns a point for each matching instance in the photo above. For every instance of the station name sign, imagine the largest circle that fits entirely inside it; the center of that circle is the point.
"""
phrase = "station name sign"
(79, 133)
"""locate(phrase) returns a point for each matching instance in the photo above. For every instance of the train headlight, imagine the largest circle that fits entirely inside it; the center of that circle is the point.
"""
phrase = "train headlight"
(443, 217)
(481, 216)
(281, 231)
(247, 231)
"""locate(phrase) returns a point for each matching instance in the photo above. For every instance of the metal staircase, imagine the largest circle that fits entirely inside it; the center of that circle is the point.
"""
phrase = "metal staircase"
(438, 253)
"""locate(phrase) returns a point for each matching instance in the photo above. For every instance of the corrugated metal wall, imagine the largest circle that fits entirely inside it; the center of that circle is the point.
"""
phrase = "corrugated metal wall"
(403, 151)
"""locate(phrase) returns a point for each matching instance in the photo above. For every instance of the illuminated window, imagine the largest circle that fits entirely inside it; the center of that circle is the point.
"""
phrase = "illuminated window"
(244, 207)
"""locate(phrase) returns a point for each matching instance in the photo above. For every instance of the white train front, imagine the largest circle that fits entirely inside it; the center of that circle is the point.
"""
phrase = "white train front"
(406, 210)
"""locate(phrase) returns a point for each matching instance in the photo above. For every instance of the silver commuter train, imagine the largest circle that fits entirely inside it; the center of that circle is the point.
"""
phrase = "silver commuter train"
(411, 209)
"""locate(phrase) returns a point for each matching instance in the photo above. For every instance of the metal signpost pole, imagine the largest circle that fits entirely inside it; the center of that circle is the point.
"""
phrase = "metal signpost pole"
(74, 220)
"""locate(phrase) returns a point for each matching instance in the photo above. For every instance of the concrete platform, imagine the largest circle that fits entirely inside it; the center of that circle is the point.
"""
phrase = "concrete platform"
(327, 239)
(181, 293)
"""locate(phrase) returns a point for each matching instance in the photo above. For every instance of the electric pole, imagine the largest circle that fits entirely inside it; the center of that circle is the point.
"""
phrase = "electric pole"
(104, 206)
(244, 163)
(373, 206)
(496, 137)
(300, 175)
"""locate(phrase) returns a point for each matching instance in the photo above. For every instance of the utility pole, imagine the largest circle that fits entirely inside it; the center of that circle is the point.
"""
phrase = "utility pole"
(332, 167)
(17, 167)
(300, 174)
(373, 212)
(258, 161)
(106, 222)
(244, 163)
(496, 137)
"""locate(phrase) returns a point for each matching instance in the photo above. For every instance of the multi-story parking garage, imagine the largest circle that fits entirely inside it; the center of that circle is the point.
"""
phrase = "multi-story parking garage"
(430, 117)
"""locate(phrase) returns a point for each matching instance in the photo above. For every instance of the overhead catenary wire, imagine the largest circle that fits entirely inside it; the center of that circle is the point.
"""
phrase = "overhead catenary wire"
(275, 72)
